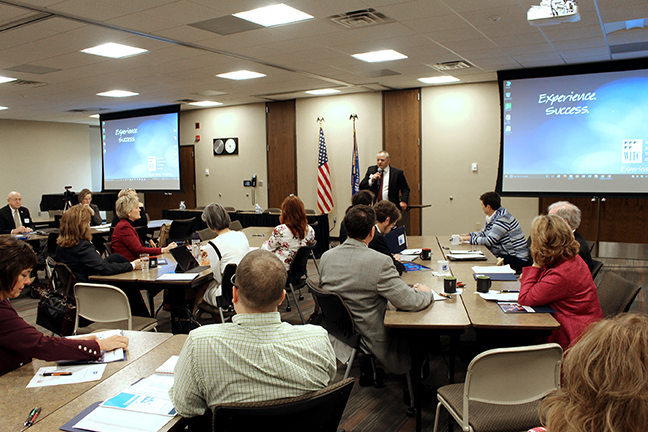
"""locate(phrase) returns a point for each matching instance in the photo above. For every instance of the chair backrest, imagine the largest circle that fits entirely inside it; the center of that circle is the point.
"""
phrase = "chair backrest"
(51, 243)
(108, 247)
(513, 376)
(272, 210)
(596, 268)
(317, 411)
(102, 303)
(207, 234)
(616, 294)
(236, 225)
(62, 279)
(181, 229)
(229, 209)
(226, 285)
(310, 212)
(336, 317)
(299, 264)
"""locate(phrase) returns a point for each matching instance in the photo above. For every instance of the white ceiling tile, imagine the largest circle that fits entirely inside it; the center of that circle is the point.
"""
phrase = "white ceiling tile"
(95, 10)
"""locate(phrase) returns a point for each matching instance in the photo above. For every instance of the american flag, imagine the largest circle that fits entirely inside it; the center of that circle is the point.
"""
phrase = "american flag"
(324, 196)
(355, 166)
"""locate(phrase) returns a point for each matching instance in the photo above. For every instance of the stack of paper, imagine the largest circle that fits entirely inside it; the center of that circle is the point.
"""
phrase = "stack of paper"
(466, 255)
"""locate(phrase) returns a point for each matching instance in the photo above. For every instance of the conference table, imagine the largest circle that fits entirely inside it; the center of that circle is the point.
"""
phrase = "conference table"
(146, 352)
(452, 317)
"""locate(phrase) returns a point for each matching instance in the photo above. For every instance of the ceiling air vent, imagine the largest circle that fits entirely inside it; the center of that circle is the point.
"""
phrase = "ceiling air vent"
(86, 110)
(453, 65)
(28, 83)
(360, 18)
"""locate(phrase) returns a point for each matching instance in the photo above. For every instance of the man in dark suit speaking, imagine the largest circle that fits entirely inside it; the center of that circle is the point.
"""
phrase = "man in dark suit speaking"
(15, 219)
(386, 182)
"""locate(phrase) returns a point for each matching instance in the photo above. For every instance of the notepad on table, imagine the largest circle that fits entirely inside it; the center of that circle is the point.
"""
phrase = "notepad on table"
(168, 366)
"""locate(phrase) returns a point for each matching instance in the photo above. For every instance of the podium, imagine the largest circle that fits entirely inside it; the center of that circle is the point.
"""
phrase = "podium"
(407, 216)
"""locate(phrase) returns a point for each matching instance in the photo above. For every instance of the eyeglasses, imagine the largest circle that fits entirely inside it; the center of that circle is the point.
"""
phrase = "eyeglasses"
(232, 279)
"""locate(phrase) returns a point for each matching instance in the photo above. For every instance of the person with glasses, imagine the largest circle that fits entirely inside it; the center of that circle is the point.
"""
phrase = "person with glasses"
(387, 217)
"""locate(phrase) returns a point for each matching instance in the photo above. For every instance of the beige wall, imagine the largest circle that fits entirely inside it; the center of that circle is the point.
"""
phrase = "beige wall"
(224, 184)
(43, 157)
(338, 131)
(460, 126)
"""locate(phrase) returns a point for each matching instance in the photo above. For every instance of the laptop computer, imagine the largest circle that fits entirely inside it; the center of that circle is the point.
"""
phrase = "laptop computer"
(397, 240)
(186, 261)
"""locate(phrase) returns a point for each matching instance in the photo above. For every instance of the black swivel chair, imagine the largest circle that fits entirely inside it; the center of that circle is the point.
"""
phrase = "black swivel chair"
(616, 294)
(297, 276)
(596, 268)
(224, 302)
(319, 411)
(181, 229)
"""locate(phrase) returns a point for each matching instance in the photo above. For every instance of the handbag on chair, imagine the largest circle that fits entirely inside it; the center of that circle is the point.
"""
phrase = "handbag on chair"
(56, 311)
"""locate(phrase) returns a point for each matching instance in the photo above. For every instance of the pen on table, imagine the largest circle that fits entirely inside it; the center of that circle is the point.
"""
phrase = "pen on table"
(31, 418)
(444, 295)
(510, 291)
(57, 373)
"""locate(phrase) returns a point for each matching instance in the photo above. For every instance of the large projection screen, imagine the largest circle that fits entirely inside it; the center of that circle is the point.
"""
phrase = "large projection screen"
(140, 149)
(578, 130)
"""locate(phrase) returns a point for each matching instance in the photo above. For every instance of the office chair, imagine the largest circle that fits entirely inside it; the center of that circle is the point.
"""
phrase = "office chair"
(272, 210)
(297, 275)
(181, 229)
(235, 225)
(616, 294)
(206, 234)
(318, 411)
(596, 268)
(503, 389)
(104, 304)
(224, 302)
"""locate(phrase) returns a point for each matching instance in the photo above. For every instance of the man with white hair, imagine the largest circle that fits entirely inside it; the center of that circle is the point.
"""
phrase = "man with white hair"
(572, 216)
(14, 218)
(386, 182)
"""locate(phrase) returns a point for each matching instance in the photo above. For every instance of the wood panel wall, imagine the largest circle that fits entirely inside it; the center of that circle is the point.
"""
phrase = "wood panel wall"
(156, 202)
(282, 151)
(402, 140)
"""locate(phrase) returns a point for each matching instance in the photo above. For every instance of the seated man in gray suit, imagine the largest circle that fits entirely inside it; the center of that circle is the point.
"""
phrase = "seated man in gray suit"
(366, 280)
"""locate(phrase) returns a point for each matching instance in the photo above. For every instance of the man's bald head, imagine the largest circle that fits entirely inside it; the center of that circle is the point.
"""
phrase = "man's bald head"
(567, 211)
(14, 199)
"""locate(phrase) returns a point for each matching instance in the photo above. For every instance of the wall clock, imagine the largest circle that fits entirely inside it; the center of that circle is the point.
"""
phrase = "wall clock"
(226, 146)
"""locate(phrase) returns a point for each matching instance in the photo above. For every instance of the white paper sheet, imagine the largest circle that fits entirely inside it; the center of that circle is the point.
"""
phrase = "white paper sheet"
(498, 296)
(407, 258)
(80, 373)
(104, 419)
(177, 276)
(155, 385)
(493, 269)
(411, 252)
(466, 251)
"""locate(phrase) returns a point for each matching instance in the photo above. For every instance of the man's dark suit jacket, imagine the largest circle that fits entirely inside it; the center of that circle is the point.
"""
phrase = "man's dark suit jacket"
(379, 244)
(7, 221)
(398, 188)
(584, 251)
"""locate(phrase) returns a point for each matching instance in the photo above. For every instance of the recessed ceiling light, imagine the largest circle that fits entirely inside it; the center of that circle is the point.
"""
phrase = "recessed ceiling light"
(117, 93)
(6, 79)
(114, 50)
(205, 103)
(3, 108)
(439, 79)
(273, 15)
(322, 91)
(380, 56)
(95, 116)
(241, 75)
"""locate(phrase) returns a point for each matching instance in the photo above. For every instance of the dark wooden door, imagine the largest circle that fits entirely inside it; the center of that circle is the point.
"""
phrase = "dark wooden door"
(402, 139)
(282, 151)
(156, 202)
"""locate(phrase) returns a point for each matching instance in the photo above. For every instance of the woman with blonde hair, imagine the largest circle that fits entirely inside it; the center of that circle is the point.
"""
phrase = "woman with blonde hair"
(85, 199)
(604, 384)
(76, 250)
(560, 279)
(293, 233)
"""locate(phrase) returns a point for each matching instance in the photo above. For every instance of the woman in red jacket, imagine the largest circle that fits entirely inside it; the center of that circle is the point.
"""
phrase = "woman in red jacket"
(559, 278)
(19, 341)
(125, 240)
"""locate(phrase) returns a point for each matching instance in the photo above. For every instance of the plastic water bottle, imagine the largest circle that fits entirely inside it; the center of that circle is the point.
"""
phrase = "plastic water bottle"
(257, 209)
(183, 207)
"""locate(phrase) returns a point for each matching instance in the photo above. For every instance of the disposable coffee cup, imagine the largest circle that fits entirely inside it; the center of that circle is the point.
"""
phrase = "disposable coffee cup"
(450, 285)
(483, 284)
(456, 239)
(426, 254)
(443, 267)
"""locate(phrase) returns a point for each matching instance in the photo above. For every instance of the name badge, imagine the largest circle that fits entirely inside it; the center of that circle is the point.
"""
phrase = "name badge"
(26, 220)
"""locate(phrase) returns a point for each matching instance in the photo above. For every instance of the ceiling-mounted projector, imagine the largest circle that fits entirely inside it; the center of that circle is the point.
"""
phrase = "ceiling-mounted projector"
(551, 12)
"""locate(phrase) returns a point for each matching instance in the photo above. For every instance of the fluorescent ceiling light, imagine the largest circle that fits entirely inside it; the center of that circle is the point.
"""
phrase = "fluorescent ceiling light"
(273, 15)
(3, 108)
(241, 75)
(322, 91)
(439, 79)
(117, 93)
(114, 50)
(205, 103)
(380, 56)
(95, 116)
(6, 79)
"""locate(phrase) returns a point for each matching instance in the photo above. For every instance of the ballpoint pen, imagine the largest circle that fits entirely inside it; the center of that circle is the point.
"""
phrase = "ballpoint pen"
(32, 417)
(57, 373)
(510, 291)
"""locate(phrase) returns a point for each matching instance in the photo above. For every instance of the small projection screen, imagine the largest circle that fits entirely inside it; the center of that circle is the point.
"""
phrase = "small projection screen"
(576, 130)
(140, 149)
